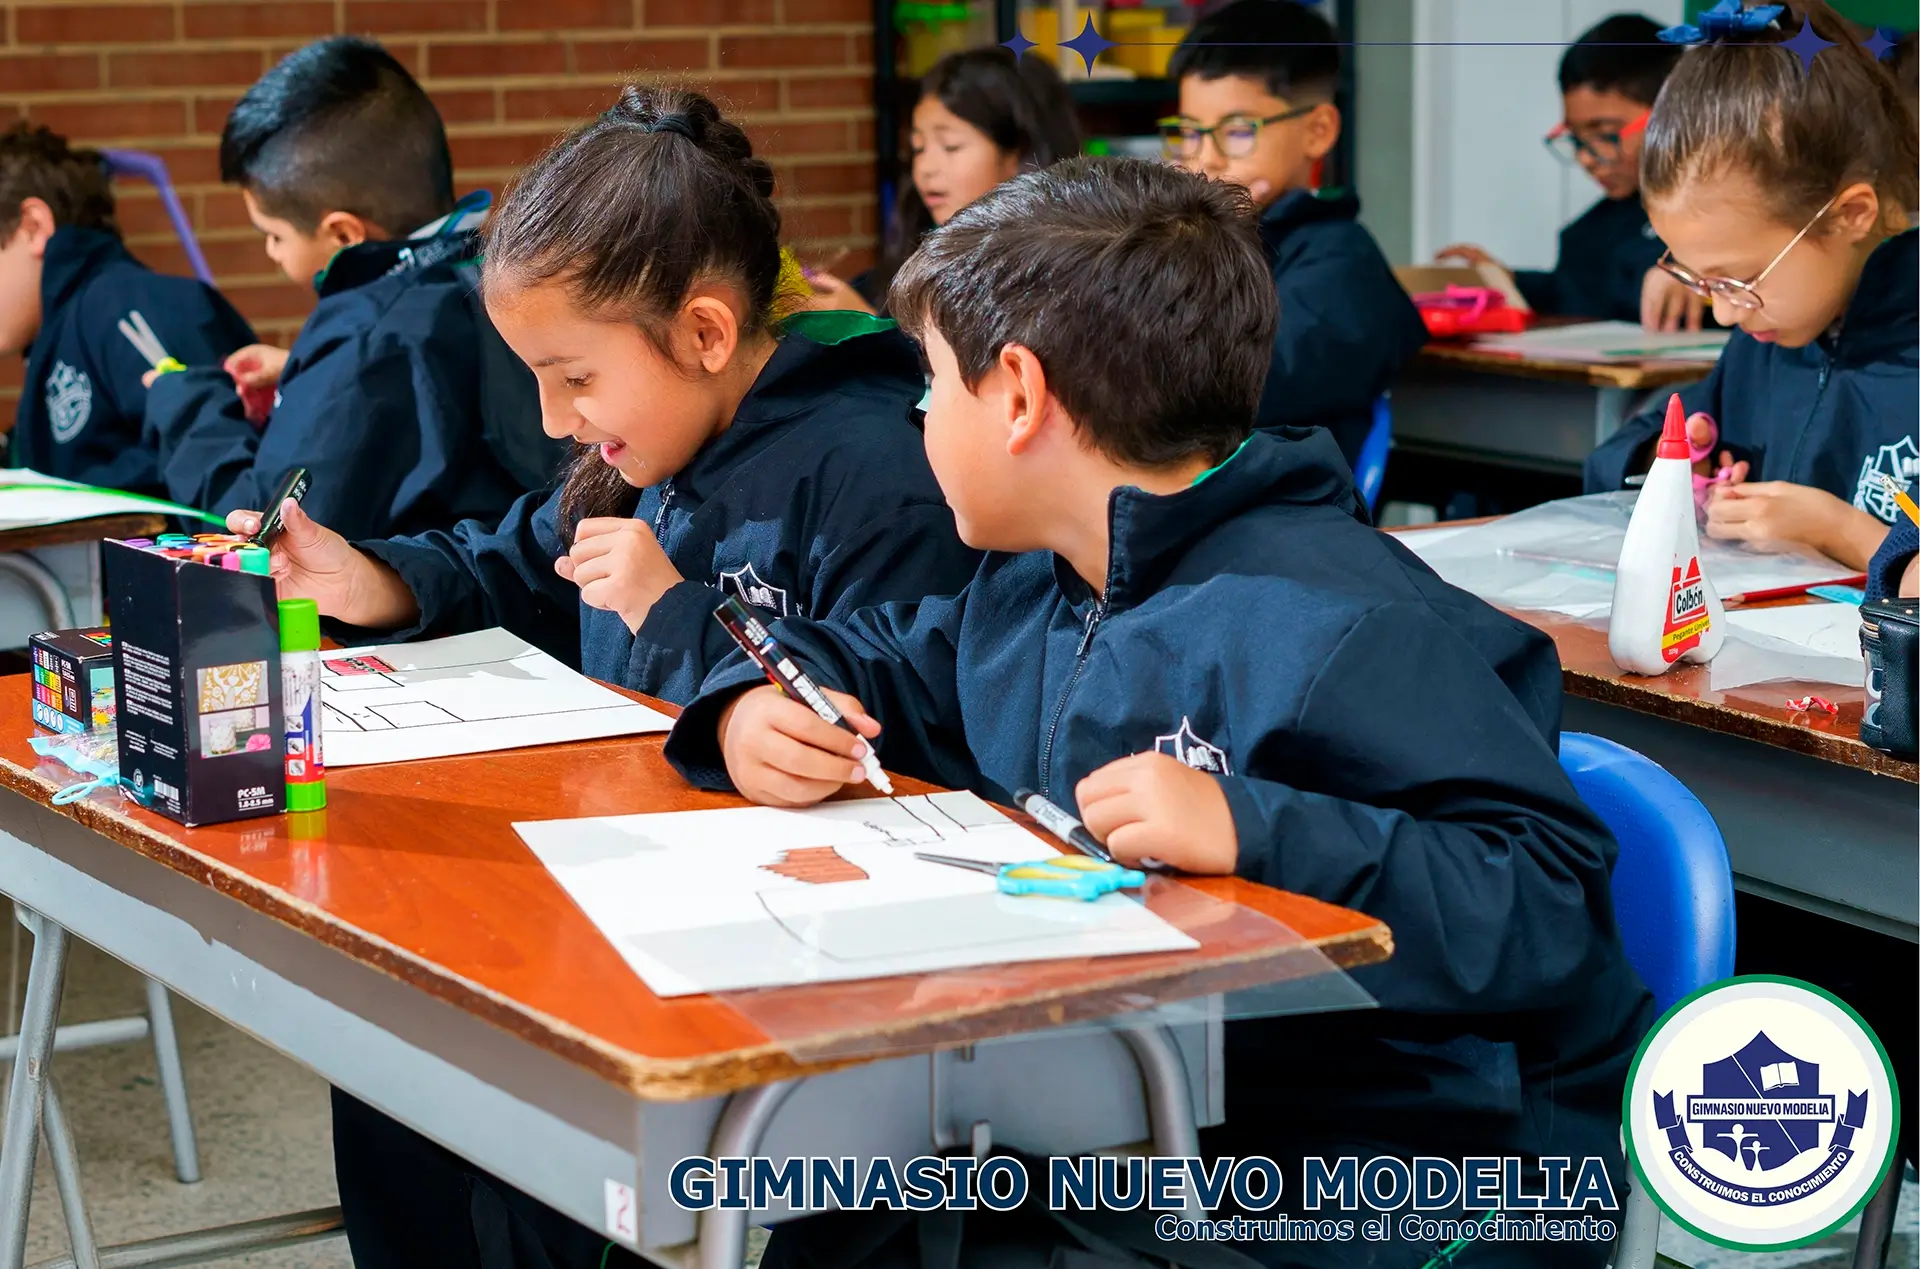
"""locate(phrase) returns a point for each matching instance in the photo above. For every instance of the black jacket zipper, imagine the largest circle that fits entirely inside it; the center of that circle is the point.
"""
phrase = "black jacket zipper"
(1060, 709)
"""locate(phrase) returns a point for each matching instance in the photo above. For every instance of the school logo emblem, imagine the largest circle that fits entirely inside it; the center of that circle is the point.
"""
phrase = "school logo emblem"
(745, 584)
(1899, 462)
(1188, 747)
(1761, 1113)
(69, 401)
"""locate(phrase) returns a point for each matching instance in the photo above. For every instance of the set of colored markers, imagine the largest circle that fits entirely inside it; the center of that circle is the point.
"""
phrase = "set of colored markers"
(229, 551)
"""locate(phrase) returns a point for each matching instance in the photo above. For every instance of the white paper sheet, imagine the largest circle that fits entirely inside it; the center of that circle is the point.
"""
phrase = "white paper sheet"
(1610, 342)
(1809, 643)
(706, 901)
(471, 693)
(30, 498)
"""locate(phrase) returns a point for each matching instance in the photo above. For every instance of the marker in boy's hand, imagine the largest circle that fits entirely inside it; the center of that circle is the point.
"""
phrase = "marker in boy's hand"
(1154, 806)
(780, 753)
(311, 561)
(619, 566)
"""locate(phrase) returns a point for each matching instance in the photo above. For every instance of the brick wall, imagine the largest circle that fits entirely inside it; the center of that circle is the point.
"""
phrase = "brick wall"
(508, 75)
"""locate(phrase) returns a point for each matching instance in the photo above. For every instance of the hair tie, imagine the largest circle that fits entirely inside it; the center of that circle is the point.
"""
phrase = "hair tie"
(674, 123)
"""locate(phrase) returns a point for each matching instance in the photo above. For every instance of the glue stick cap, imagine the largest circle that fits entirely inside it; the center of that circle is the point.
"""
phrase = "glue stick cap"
(256, 559)
(299, 625)
(1673, 436)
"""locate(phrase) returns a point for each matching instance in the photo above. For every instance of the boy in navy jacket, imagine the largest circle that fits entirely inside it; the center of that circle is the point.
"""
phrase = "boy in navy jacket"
(1609, 78)
(1256, 108)
(1196, 639)
(66, 285)
(344, 166)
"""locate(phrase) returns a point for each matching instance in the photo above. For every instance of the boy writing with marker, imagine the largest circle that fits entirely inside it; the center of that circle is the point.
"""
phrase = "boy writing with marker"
(1184, 631)
(387, 390)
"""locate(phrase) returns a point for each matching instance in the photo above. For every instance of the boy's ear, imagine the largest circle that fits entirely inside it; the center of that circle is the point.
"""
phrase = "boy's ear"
(342, 229)
(1323, 130)
(1028, 402)
(1856, 212)
(36, 227)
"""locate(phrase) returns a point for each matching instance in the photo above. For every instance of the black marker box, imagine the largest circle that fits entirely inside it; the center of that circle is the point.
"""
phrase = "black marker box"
(196, 670)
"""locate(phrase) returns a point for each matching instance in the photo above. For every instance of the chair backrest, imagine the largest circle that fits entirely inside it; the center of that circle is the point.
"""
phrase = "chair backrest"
(1371, 468)
(153, 168)
(1672, 884)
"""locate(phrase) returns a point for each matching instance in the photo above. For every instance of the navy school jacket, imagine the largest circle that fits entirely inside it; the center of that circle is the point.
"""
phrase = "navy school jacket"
(816, 501)
(1831, 415)
(1890, 561)
(1604, 256)
(380, 399)
(1346, 324)
(81, 412)
(1384, 741)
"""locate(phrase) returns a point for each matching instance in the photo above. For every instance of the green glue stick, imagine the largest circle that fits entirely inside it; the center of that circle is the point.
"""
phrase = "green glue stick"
(300, 680)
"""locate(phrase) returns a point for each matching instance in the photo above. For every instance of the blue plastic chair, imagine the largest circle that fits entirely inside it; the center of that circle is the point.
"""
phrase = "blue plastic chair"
(1672, 899)
(1371, 469)
(154, 169)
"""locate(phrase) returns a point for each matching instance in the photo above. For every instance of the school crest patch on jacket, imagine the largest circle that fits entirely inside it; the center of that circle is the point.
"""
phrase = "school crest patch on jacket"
(69, 401)
(1898, 462)
(1186, 745)
(745, 584)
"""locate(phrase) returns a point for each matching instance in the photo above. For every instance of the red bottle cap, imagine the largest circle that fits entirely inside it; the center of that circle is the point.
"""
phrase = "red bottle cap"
(1673, 437)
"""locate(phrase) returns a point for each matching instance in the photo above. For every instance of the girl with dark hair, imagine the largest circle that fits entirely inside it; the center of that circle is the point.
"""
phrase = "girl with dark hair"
(982, 118)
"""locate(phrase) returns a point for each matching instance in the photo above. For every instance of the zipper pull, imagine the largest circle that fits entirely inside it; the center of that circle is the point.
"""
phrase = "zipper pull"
(1093, 621)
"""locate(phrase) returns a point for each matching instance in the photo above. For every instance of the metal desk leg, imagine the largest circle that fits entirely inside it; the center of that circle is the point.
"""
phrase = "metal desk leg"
(66, 1178)
(46, 977)
(743, 1124)
(1876, 1220)
(1169, 1101)
(173, 1084)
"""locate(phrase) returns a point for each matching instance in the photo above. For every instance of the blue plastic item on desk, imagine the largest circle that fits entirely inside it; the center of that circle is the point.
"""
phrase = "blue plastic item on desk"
(1062, 877)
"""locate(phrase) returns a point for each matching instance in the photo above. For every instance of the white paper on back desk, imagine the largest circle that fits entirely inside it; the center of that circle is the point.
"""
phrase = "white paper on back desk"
(727, 900)
(1610, 342)
(470, 693)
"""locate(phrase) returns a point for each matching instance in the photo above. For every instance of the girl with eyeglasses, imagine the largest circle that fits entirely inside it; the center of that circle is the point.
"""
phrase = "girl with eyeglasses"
(1785, 197)
(1609, 78)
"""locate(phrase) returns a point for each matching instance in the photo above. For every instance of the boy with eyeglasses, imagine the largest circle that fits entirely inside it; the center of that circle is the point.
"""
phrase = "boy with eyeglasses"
(1257, 82)
(1609, 78)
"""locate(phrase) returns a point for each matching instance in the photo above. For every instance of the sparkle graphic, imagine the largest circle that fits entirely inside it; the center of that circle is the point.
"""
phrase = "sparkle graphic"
(1877, 44)
(1089, 44)
(1807, 45)
(1019, 44)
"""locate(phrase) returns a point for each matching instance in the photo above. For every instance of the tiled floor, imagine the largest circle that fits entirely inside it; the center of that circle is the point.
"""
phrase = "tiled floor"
(263, 1125)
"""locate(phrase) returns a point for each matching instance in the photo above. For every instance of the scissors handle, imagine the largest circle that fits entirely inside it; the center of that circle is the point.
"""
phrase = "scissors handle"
(1068, 877)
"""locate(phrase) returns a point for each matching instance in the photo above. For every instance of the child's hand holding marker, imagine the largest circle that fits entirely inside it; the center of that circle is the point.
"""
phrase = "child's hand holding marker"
(619, 566)
(779, 752)
(1153, 810)
(313, 562)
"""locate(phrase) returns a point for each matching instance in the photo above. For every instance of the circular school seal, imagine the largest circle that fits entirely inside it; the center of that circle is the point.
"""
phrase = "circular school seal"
(1761, 1113)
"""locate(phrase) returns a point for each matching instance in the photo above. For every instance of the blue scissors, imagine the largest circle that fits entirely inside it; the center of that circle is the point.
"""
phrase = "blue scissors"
(1062, 877)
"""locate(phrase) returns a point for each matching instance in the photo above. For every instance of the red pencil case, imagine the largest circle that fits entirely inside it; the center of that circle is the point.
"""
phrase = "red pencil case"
(1470, 310)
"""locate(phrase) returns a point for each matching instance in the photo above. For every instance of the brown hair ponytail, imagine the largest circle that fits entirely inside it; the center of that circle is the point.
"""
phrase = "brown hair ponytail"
(629, 213)
(1800, 135)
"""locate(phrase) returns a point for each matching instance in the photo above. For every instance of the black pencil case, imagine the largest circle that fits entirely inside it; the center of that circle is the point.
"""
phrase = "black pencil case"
(1890, 640)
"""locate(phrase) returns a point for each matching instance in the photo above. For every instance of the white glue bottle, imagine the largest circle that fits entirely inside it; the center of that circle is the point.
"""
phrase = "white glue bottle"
(1664, 609)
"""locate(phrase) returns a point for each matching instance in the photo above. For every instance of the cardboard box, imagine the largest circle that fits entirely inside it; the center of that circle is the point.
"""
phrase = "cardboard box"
(196, 666)
(72, 679)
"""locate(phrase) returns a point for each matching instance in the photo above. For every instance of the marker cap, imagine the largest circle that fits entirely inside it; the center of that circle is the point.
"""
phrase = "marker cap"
(299, 625)
(256, 559)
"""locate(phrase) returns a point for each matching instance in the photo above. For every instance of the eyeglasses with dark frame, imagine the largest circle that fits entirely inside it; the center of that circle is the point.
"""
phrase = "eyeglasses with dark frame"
(1234, 136)
(1568, 145)
(1744, 296)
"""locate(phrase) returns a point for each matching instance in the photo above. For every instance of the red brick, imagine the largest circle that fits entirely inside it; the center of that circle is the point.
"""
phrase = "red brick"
(525, 57)
(229, 260)
(562, 15)
(743, 96)
(625, 57)
(476, 106)
(139, 211)
(496, 150)
(816, 179)
(710, 13)
(379, 16)
(830, 92)
(573, 102)
(224, 209)
(111, 120)
(829, 11)
(190, 164)
(802, 223)
(758, 51)
(784, 139)
(181, 70)
(256, 21)
(263, 301)
(92, 23)
(210, 113)
(42, 72)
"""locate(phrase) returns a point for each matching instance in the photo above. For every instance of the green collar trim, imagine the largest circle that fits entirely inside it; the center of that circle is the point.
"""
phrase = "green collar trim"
(1230, 457)
(836, 326)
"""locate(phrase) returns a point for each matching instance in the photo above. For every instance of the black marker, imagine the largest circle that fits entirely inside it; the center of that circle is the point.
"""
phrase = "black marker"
(1061, 825)
(296, 488)
(755, 640)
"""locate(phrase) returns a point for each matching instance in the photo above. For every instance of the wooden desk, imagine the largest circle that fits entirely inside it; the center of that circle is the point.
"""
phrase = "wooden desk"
(1811, 816)
(59, 566)
(406, 946)
(1510, 410)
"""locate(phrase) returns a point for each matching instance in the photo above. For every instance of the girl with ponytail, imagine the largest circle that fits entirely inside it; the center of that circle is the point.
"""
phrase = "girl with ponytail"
(1785, 193)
